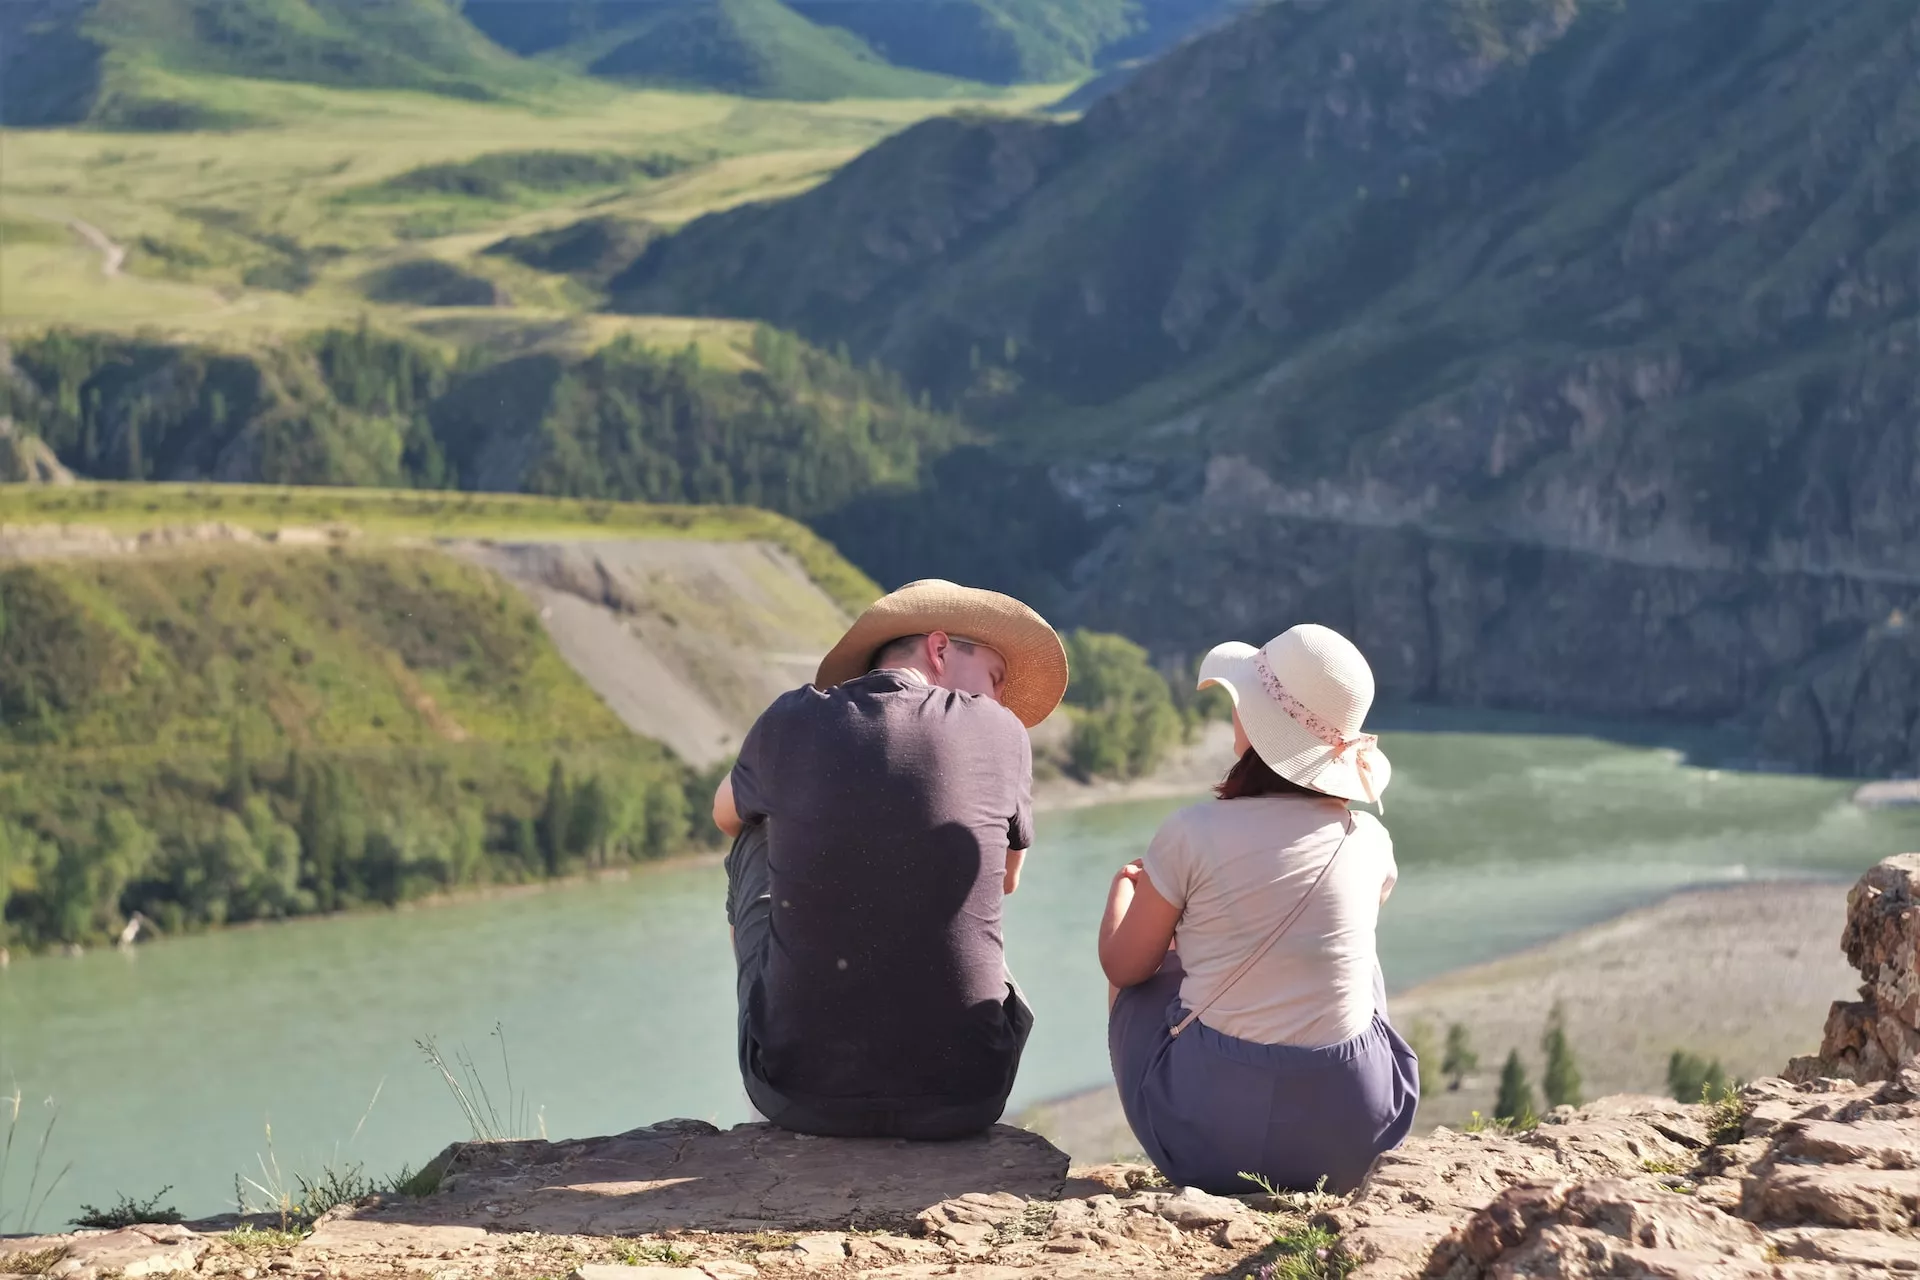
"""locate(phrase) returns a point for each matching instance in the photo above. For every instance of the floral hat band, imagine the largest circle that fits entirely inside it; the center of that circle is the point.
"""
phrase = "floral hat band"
(1364, 746)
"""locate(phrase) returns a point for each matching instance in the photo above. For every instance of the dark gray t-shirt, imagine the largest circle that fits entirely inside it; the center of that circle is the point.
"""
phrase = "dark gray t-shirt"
(890, 806)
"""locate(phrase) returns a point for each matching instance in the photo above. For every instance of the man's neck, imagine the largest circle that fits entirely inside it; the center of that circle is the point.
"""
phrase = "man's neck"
(913, 675)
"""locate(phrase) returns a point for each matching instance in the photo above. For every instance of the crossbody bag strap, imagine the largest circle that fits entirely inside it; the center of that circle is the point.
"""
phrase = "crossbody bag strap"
(1260, 951)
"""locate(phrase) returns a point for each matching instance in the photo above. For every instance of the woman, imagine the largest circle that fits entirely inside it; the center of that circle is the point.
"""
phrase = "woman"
(1261, 1046)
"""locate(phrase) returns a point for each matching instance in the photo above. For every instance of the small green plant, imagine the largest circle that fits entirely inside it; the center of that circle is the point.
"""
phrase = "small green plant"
(1726, 1116)
(1661, 1164)
(128, 1212)
(765, 1242)
(38, 1262)
(31, 1206)
(334, 1187)
(1515, 1102)
(1318, 1200)
(475, 1100)
(1461, 1059)
(1477, 1123)
(1306, 1252)
(1034, 1222)
(256, 1240)
(635, 1253)
(1148, 1179)
(417, 1185)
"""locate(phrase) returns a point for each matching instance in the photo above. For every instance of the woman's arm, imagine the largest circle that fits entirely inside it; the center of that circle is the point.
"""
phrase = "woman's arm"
(1137, 930)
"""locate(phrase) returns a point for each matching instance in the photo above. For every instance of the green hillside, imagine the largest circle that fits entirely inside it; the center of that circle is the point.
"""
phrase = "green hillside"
(799, 431)
(1519, 338)
(213, 736)
(132, 64)
(998, 41)
(205, 730)
(757, 47)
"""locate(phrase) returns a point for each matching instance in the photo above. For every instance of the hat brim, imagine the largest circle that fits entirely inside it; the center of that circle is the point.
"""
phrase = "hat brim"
(1036, 660)
(1287, 746)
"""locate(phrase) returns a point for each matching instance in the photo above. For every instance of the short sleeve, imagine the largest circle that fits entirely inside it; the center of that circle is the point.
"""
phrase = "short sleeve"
(1389, 868)
(1020, 825)
(752, 780)
(1168, 864)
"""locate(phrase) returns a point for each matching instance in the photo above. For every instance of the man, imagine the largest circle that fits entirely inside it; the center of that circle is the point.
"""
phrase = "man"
(880, 817)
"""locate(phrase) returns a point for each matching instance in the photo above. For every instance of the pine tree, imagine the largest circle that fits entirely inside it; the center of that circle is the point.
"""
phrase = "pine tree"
(1515, 1103)
(239, 773)
(1460, 1058)
(1691, 1078)
(552, 824)
(1561, 1083)
(590, 820)
(319, 830)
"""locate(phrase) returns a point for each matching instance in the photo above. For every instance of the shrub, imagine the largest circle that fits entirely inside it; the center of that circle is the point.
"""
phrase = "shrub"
(1124, 720)
(1561, 1082)
(1461, 1059)
(1515, 1103)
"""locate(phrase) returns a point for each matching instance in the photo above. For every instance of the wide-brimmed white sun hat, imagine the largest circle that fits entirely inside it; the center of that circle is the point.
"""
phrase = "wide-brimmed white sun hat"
(1036, 660)
(1302, 700)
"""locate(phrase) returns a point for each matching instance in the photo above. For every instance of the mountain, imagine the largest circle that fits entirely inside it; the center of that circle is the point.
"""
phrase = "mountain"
(756, 47)
(712, 42)
(131, 63)
(1560, 350)
(141, 64)
(1010, 41)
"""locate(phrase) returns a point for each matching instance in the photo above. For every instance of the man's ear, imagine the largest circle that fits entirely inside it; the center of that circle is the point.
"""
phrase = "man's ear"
(938, 647)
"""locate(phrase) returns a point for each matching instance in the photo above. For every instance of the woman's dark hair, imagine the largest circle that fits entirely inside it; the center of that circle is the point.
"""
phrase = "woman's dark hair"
(1250, 776)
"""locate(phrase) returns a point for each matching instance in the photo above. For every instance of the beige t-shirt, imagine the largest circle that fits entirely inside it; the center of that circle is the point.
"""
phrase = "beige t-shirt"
(1236, 869)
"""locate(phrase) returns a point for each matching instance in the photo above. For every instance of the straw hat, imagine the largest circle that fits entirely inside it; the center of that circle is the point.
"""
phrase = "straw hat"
(1036, 660)
(1302, 700)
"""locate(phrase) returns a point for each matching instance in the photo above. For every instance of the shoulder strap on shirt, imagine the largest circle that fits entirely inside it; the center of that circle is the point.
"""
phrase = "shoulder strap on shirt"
(1254, 957)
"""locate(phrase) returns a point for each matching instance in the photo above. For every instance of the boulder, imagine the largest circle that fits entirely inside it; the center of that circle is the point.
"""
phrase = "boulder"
(1877, 1036)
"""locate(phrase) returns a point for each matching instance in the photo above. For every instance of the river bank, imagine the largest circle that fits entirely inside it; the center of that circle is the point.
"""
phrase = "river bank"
(1743, 974)
(1189, 770)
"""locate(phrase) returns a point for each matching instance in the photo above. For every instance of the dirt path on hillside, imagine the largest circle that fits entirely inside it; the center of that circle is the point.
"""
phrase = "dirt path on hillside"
(112, 256)
(686, 641)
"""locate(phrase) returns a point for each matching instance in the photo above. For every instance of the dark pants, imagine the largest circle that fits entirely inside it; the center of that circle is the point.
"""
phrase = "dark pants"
(750, 912)
(1209, 1107)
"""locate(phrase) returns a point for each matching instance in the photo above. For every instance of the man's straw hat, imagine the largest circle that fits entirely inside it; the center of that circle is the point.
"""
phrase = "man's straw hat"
(1302, 700)
(1036, 660)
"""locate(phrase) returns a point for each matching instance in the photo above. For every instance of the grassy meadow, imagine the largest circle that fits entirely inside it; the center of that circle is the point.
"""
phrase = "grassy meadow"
(252, 233)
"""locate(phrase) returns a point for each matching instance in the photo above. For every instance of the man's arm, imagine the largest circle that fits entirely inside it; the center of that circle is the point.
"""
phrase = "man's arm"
(1015, 857)
(725, 816)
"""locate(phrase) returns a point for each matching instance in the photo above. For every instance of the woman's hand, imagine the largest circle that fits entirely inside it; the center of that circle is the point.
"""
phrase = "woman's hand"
(1138, 927)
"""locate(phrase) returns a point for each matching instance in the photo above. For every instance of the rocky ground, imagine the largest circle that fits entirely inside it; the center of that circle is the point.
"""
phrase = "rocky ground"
(1812, 1174)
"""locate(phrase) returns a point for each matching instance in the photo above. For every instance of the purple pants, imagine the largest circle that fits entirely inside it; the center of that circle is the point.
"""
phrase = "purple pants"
(1209, 1107)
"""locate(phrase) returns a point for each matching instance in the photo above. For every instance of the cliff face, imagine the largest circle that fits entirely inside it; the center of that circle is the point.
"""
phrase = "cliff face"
(1563, 350)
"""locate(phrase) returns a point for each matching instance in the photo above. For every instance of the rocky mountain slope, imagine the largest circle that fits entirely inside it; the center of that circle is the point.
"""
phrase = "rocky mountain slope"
(1562, 350)
(1812, 1178)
